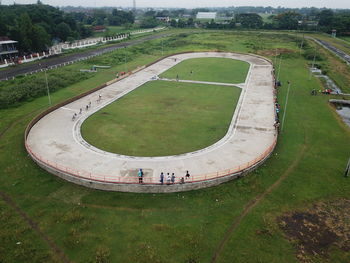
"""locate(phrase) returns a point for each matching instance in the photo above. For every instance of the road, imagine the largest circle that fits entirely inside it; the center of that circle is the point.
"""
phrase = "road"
(61, 60)
(341, 54)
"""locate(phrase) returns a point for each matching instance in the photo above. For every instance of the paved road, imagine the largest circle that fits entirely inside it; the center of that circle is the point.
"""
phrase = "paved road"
(59, 60)
(56, 142)
(341, 54)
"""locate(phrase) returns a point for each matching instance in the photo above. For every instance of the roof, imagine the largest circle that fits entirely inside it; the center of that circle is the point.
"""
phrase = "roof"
(8, 42)
(206, 15)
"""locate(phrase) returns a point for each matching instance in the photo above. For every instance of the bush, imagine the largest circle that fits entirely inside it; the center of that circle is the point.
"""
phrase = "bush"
(22, 89)
(309, 54)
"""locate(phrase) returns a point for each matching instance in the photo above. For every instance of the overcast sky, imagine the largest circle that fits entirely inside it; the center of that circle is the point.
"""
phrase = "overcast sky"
(192, 3)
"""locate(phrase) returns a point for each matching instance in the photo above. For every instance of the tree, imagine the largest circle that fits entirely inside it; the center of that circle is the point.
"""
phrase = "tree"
(173, 23)
(249, 20)
(288, 20)
(149, 22)
(3, 27)
(181, 23)
(326, 18)
(41, 39)
(190, 22)
(26, 32)
(63, 31)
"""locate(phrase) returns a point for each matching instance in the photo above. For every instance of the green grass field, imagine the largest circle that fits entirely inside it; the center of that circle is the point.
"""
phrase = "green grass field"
(210, 69)
(346, 38)
(93, 226)
(163, 118)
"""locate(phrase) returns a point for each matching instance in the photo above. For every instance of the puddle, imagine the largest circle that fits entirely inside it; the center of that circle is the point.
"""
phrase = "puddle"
(328, 81)
(344, 112)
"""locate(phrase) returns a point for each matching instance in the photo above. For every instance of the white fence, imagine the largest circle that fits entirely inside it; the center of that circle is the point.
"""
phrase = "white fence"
(59, 48)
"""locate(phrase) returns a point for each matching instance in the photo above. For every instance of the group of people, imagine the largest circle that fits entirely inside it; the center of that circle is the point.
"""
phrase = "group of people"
(87, 107)
(168, 178)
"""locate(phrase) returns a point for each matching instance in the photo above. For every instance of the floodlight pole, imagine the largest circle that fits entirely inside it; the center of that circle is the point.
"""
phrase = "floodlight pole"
(276, 56)
(285, 107)
(47, 85)
(162, 48)
(302, 43)
(347, 170)
(125, 59)
(279, 69)
(313, 64)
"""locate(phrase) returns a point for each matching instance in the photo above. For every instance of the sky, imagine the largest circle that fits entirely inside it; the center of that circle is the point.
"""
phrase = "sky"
(191, 3)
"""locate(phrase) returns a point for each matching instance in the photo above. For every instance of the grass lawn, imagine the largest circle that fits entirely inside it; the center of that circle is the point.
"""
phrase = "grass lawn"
(222, 70)
(163, 118)
(346, 38)
(96, 226)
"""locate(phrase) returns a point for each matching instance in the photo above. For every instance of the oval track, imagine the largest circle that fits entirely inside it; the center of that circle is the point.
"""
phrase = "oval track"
(56, 144)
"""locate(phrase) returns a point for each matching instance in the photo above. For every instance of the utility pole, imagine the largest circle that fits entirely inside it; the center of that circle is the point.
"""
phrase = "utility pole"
(134, 6)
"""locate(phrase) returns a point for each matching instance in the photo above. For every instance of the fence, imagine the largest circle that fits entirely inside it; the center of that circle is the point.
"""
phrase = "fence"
(150, 181)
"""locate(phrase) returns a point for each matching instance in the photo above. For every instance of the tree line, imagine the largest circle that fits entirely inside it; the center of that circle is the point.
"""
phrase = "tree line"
(325, 21)
(36, 27)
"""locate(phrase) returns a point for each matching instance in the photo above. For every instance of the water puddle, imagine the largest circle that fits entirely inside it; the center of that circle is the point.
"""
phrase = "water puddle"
(342, 109)
(344, 112)
(328, 81)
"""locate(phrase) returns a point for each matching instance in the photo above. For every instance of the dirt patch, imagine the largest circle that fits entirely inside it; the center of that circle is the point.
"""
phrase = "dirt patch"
(318, 228)
(273, 52)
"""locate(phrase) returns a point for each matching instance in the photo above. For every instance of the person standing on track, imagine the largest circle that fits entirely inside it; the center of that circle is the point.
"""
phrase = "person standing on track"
(168, 178)
(161, 178)
(140, 175)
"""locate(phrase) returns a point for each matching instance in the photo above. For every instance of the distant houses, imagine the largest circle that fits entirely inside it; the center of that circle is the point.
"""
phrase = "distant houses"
(206, 15)
(8, 49)
(164, 19)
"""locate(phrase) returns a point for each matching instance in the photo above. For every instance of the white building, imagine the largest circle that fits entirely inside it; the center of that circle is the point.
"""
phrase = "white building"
(206, 15)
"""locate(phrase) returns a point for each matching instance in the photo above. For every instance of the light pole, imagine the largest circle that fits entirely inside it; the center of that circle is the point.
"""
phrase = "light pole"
(125, 59)
(302, 43)
(285, 107)
(276, 57)
(47, 85)
(162, 48)
(313, 64)
(279, 68)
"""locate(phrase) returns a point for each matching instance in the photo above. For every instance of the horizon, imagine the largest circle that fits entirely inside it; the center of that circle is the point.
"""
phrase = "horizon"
(189, 4)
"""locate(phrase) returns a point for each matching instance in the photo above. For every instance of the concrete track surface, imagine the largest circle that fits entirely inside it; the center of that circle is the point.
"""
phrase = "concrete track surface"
(56, 144)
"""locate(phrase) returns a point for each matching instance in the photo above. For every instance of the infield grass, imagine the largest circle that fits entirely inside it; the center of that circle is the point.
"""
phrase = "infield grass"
(221, 70)
(163, 118)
